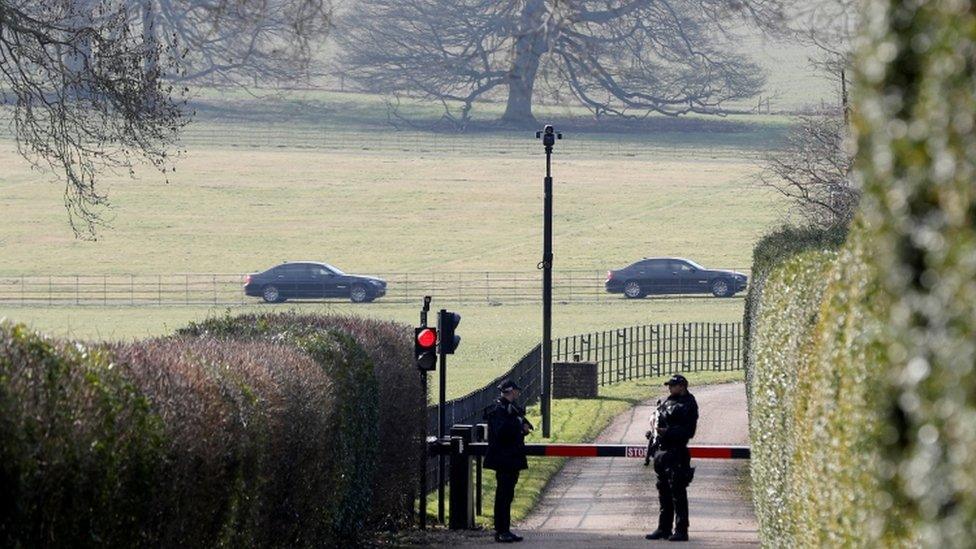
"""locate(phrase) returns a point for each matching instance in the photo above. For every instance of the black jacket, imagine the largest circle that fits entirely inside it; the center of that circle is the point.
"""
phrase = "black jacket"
(506, 441)
(679, 414)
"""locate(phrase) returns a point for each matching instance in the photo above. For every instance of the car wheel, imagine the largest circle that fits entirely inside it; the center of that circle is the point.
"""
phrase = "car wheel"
(721, 288)
(633, 290)
(358, 294)
(271, 294)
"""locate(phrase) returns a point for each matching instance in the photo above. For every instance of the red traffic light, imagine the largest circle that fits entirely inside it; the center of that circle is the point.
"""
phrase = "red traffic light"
(427, 337)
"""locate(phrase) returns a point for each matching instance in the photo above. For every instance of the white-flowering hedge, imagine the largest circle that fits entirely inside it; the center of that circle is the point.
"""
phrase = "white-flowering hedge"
(916, 121)
(781, 334)
(873, 405)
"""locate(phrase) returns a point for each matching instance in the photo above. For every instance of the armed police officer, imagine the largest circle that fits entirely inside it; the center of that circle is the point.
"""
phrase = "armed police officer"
(677, 419)
(507, 428)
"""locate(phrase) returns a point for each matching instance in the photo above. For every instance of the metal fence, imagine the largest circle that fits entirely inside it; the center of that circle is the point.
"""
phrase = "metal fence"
(655, 349)
(470, 408)
(488, 287)
(622, 354)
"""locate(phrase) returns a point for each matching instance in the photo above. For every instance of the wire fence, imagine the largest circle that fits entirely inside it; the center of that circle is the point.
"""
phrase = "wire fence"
(486, 287)
(623, 354)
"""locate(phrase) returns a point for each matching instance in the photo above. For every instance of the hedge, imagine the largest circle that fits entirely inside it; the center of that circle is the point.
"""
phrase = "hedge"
(917, 133)
(782, 338)
(80, 450)
(249, 431)
(771, 250)
(396, 427)
(881, 420)
(267, 440)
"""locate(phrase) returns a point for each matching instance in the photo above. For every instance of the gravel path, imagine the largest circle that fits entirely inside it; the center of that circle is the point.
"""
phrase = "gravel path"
(612, 502)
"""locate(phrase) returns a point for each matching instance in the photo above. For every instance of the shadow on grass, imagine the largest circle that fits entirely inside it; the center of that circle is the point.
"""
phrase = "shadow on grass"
(363, 112)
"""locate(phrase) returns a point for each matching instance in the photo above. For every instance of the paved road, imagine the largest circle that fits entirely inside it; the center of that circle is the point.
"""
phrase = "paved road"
(613, 502)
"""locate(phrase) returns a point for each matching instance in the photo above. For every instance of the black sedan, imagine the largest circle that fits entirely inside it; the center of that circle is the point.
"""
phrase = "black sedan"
(673, 275)
(312, 280)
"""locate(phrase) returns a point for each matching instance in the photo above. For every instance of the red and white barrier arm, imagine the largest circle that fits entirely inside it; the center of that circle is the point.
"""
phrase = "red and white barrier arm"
(613, 450)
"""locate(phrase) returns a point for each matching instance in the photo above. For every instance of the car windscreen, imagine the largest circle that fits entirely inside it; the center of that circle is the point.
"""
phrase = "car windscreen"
(695, 265)
(334, 269)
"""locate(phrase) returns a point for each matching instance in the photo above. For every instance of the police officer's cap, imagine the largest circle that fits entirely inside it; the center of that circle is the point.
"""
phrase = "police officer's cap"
(677, 379)
(508, 385)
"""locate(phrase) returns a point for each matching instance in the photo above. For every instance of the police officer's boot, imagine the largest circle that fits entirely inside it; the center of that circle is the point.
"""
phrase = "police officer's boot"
(679, 536)
(658, 534)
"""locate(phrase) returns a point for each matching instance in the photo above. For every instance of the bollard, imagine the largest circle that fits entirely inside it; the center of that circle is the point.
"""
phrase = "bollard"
(462, 492)
(480, 435)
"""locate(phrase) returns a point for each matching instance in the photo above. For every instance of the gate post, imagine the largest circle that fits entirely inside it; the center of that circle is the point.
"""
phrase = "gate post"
(462, 493)
(480, 435)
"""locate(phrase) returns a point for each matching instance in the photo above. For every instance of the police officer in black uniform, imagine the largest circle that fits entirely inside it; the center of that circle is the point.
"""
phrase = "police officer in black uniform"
(507, 428)
(677, 421)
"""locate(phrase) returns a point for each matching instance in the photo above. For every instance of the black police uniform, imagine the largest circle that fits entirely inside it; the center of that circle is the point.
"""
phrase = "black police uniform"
(506, 455)
(672, 463)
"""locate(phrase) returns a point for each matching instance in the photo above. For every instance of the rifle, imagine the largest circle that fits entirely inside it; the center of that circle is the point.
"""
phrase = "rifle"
(653, 437)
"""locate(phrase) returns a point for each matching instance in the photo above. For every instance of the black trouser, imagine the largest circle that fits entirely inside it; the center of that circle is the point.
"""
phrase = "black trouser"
(504, 494)
(672, 467)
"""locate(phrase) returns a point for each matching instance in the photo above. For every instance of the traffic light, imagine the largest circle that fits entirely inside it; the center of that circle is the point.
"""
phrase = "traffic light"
(425, 348)
(446, 323)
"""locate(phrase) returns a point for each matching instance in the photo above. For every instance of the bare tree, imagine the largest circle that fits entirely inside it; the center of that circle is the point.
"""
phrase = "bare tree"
(238, 42)
(87, 94)
(831, 26)
(813, 170)
(95, 85)
(617, 57)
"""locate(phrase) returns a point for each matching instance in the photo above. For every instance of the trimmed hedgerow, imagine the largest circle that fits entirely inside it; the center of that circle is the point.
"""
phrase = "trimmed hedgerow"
(772, 250)
(80, 449)
(884, 450)
(249, 441)
(174, 442)
(393, 437)
(782, 334)
(269, 438)
(917, 134)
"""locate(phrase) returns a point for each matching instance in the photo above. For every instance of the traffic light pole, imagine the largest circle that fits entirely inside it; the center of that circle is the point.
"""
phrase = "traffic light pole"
(423, 437)
(441, 428)
(549, 137)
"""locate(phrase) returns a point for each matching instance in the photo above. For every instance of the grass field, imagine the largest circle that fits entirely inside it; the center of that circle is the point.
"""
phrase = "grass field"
(493, 338)
(233, 211)
(321, 177)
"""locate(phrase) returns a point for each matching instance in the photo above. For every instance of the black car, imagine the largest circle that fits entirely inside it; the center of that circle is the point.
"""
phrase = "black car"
(312, 280)
(673, 275)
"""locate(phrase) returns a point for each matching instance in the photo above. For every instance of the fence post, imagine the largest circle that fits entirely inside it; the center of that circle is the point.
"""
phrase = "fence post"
(50, 290)
(77, 297)
(159, 289)
(187, 287)
(22, 296)
(105, 289)
(487, 287)
(213, 285)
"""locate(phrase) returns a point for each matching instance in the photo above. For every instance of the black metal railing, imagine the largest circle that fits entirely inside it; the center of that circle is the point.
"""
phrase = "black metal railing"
(469, 409)
(651, 350)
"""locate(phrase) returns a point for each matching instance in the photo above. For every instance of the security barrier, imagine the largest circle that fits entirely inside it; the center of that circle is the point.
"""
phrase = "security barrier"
(466, 446)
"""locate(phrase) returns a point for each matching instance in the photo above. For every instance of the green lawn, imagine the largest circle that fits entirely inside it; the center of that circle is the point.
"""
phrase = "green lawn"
(321, 177)
(492, 338)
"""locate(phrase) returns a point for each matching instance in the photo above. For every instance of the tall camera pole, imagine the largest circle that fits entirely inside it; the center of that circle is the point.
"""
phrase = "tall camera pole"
(549, 136)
